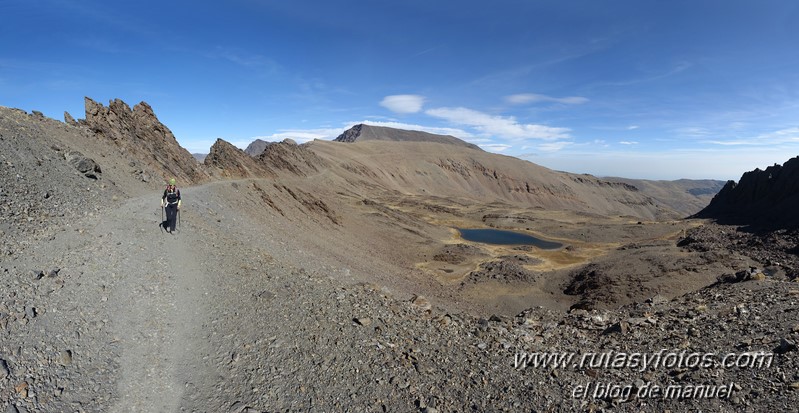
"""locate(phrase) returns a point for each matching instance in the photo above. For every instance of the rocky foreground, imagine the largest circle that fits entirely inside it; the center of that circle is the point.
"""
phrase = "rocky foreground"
(249, 311)
(113, 315)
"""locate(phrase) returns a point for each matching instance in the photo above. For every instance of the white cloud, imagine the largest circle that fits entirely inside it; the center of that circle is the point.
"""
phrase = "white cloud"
(403, 103)
(525, 98)
(495, 147)
(628, 142)
(553, 146)
(694, 132)
(633, 127)
(782, 136)
(302, 135)
(501, 126)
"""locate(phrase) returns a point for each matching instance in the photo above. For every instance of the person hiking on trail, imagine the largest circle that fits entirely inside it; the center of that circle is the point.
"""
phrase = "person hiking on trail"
(170, 200)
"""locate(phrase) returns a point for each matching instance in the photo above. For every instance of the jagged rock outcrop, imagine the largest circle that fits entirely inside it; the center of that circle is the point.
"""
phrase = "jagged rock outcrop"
(139, 132)
(363, 132)
(288, 156)
(69, 120)
(227, 161)
(767, 199)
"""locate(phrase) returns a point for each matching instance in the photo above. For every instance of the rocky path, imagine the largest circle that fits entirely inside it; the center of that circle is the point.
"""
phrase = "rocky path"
(160, 306)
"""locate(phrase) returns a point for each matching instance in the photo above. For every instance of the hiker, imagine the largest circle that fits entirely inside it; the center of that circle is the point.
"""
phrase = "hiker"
(170, 200)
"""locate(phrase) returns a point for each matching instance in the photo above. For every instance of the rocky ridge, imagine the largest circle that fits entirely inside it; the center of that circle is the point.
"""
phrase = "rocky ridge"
(227, 161)
(139, 133)
(766, 198)
(290, 157)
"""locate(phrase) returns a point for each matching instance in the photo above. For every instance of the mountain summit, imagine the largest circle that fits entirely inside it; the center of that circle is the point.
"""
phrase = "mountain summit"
(362, 132)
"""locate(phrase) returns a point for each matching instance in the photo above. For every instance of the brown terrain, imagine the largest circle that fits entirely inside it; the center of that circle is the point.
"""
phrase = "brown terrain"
(330, 276)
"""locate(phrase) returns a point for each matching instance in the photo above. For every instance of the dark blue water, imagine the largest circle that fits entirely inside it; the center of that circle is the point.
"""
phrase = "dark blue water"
(500, 237)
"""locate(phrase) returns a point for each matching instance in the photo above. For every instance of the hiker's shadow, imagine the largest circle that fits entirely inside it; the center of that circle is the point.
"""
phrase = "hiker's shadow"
(163, 226)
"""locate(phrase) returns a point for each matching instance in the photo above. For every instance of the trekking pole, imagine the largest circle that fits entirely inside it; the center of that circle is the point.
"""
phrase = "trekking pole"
(178, 218)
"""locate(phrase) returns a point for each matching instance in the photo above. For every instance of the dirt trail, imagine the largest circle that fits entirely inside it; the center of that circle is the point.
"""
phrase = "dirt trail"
(160, 309)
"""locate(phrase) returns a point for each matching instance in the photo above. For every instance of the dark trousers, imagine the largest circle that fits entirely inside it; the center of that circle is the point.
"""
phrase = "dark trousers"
(171, 216)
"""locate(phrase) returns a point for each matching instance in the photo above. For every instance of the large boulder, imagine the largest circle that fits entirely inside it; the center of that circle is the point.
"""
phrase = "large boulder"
(87, 166)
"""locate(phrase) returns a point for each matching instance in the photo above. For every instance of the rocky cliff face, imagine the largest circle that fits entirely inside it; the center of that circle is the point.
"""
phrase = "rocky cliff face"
(139, 132)
(768, 198)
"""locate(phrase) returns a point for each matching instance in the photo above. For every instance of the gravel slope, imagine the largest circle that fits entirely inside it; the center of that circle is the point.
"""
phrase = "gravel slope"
(235, 315)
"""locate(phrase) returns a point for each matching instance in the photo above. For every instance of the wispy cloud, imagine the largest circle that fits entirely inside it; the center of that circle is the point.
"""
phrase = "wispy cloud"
(426, 51)
(506, 127)
(495, 147)
(243, 58)
(695, 132)
(403, 103)
(514, 74)
(525, 98)
(554, 146)
(302, 135)
(783, 136)
(650, 77)
(628, 142)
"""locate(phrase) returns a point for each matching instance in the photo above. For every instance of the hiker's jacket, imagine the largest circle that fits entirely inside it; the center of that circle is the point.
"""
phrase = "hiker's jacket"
(171, 195)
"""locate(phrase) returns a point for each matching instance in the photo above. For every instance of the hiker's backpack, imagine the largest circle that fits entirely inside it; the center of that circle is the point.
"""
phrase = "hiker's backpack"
(172, 194)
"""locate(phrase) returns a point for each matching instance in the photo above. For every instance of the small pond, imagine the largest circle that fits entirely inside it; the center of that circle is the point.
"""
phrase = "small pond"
(501, 237)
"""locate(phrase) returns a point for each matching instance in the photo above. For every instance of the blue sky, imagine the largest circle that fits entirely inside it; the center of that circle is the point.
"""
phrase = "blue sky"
(639, 88)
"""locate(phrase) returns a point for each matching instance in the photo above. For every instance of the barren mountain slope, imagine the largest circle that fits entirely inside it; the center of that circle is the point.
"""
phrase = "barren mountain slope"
(451, 171)
(52, 173)
(686, 196)
(361, 132)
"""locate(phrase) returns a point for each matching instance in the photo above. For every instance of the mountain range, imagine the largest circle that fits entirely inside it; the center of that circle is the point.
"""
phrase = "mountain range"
(332, 275)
